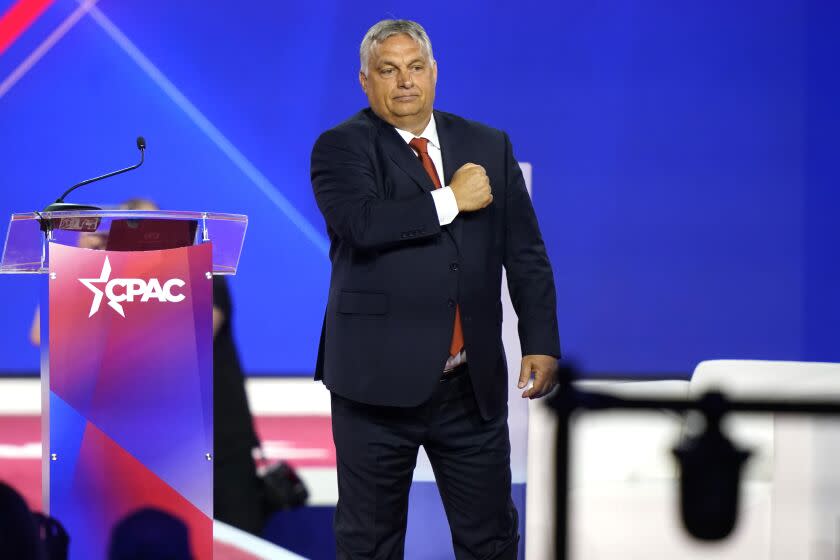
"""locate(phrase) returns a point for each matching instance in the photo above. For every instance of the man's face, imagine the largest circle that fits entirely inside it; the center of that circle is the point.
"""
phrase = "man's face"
(400, 83)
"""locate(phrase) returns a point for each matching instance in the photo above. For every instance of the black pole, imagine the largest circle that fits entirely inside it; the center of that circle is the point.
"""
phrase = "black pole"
(561, 514)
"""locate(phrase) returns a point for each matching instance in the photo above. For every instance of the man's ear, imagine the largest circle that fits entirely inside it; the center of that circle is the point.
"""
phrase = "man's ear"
(363, 81)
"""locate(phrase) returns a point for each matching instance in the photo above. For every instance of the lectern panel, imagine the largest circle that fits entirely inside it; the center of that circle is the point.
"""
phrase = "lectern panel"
(130, 391)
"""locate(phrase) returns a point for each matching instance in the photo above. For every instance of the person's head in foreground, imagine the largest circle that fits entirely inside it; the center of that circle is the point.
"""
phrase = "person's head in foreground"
(150, 534)
(18, 530)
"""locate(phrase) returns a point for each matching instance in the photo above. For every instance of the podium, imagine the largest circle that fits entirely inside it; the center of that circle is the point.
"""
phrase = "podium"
(126, 363)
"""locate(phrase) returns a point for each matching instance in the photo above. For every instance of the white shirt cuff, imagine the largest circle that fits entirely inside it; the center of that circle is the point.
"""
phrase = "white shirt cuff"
(445, 204)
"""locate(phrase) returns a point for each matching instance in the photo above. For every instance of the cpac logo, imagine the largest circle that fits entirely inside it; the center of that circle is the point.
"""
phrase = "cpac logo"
(118, 290)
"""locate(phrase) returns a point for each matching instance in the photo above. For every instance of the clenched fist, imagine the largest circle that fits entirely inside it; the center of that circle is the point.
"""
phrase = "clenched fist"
(471, 188)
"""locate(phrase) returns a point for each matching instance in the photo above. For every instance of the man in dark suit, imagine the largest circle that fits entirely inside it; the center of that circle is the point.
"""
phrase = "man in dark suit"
(423, 209)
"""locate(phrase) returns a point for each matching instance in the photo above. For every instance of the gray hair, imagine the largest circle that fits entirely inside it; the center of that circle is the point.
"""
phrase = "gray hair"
(388, 28)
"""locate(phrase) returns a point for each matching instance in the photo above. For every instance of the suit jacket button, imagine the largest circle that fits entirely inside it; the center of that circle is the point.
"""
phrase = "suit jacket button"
(451, 303)
(453, 267)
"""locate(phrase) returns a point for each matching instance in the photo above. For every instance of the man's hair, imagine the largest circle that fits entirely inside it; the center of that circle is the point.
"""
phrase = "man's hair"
(388, 28)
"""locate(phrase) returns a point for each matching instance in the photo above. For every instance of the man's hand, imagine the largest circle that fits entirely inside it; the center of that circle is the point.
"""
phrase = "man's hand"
(544, 370)
(471, 188)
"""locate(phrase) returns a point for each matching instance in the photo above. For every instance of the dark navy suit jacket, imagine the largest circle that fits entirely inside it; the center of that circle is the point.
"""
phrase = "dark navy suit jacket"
(397, 275)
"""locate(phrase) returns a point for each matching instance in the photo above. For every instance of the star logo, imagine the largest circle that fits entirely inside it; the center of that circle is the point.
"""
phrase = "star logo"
(118, 290)
(104, 276)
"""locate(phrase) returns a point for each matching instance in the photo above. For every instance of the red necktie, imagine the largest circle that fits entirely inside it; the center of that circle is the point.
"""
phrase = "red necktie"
(421, 147)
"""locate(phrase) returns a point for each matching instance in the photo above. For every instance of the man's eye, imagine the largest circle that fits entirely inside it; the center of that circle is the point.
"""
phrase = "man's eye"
(386, 71)
(417, 68)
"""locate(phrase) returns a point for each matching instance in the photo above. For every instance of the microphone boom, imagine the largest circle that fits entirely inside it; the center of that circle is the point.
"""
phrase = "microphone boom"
(60, 205)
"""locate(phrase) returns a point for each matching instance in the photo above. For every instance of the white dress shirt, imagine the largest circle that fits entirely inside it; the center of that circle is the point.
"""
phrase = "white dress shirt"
(444, 199)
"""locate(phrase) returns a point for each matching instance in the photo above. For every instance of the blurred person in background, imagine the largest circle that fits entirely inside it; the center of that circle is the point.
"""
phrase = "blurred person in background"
(237, 490)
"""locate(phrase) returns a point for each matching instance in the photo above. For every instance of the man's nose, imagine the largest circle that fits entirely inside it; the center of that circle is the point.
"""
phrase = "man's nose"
(405, 79)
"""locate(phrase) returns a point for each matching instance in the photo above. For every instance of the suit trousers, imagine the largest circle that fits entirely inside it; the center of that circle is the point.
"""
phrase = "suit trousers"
(377, 449)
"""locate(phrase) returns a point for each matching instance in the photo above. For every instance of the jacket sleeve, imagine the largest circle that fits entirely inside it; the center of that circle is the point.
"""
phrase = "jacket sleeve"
(529, 275)
(354, 204)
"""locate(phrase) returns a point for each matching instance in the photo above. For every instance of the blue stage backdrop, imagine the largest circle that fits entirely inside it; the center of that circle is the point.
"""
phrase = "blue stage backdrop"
(684, 154)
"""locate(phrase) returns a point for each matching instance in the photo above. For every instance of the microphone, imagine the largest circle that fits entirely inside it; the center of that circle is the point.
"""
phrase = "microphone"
(710, 476)
(59, 205)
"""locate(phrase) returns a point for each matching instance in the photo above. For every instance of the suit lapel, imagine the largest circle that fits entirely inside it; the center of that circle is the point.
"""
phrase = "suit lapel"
(405, 158)
(449, 151)
(402, 155)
